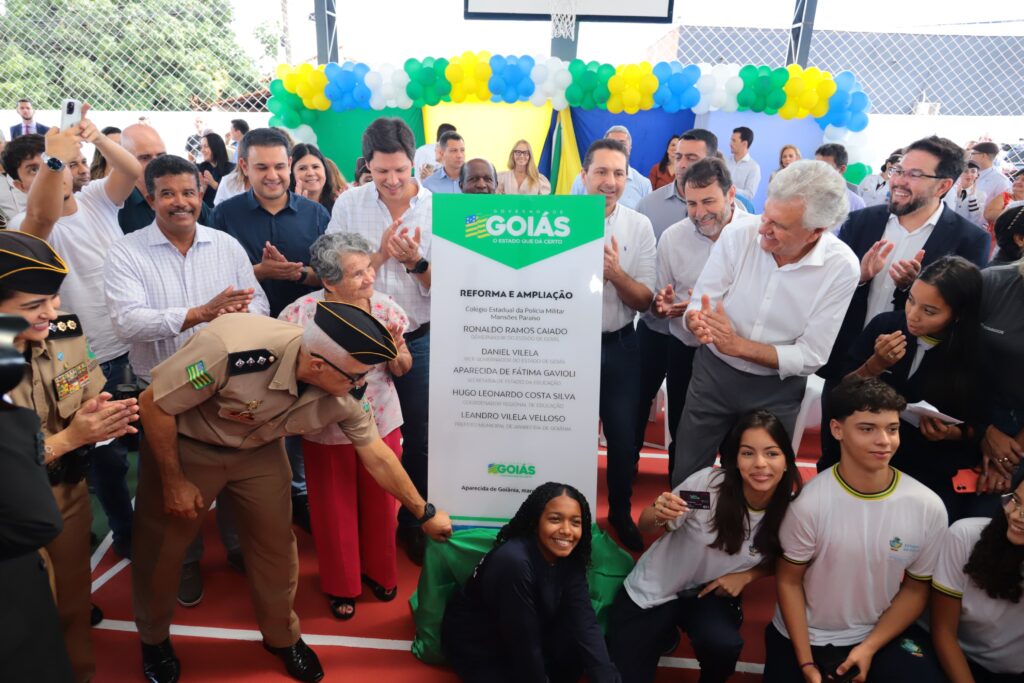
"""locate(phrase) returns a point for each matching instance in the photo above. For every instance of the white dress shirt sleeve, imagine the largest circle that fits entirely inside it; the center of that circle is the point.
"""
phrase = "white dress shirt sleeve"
(339, 216)
(246, 279)
(718, 273)
(647, 256)
(125, 292)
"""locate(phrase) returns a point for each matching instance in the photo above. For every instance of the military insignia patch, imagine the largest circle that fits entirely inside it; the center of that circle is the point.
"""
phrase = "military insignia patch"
(255, 360)
(71, 381)
(197, 376)
(65, 326)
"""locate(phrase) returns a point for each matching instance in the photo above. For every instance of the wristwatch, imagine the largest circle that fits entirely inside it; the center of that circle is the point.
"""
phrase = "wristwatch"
(53, 163)
(428, 514)
(419, 268)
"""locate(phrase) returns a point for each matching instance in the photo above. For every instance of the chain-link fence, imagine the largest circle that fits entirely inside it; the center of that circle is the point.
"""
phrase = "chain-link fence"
(902, 73)
(148, 55)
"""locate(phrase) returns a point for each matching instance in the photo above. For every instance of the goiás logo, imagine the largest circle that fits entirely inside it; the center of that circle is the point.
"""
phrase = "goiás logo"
(507, 226)
(511, 469)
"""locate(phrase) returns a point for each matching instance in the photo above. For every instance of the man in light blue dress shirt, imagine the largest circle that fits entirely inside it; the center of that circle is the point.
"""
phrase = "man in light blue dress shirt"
(445, 180)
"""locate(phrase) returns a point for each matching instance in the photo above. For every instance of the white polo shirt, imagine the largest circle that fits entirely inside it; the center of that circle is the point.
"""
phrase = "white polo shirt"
(637, 257)
(682, 558)
(858, 548)
(991, 632)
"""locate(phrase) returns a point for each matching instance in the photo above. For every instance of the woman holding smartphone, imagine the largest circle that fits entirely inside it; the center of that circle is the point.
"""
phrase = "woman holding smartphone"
(693, 576)
(977, 616)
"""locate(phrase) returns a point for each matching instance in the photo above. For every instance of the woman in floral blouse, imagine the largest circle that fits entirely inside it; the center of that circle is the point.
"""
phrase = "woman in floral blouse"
(352, 517)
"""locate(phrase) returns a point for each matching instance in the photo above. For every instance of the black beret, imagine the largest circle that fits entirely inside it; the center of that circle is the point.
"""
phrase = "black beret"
(29, 264)
(356, 331)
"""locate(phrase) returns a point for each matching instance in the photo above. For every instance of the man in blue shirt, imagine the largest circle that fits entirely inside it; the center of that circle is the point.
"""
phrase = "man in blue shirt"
(637, 184)
(445, 180)
(275, 226)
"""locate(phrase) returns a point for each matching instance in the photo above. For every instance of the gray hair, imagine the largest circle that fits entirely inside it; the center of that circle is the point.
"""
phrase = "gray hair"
(316, 341)
(818, 186)
(326, 252)
(620, 129)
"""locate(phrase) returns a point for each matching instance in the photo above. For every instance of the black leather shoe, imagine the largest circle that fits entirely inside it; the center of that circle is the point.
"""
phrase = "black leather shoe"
(627, 532)
(159, 665)
(95, 616)
(412, 539)
(300, 661)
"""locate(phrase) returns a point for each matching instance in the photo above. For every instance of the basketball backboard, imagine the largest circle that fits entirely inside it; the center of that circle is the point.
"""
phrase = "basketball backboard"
(639, 11)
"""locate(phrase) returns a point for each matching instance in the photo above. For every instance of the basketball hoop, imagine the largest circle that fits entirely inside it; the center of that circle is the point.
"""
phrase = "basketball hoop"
(563, 18)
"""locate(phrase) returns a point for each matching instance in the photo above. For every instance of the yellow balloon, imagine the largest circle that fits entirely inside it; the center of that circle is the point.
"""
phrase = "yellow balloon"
(318, 79)
(305, 69)
(631, 110)
(809, 99)
(483, 93)
(647, 102)
(812, 76)
(649, 84)
(794, 87)
(454, 73)
(616, 84)
(321, 103)
(283, 70)
(304, 90)
(291, 82)
(631, 74)
(614, 104)
(631, 100)
(827, 88)
(802, 113)
(789, 110)
(795, 71)
(820, 109)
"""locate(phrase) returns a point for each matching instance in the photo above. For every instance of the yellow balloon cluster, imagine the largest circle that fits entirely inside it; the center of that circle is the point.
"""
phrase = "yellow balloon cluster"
(469, 74)
(807, 92)
(632, 88)
(308, 82)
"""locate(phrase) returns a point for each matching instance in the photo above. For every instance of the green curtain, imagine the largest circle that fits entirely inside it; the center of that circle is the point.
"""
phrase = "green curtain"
(446, 566)
(339, 135)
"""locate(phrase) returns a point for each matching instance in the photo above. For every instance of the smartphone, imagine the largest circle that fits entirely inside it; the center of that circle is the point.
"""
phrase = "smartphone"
(696, 500)
(965, 481)
(70, 114)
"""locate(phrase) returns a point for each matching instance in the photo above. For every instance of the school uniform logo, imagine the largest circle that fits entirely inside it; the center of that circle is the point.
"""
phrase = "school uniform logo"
(197, 375)
(895, 544)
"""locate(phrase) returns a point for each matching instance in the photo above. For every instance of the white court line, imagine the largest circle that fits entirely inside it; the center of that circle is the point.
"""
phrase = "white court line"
(357, 642)
(100, 551)
(109, 574)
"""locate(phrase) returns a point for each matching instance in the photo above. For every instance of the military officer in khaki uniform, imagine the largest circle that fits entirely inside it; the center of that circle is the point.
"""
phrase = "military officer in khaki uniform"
(213, 421)
(62, 384)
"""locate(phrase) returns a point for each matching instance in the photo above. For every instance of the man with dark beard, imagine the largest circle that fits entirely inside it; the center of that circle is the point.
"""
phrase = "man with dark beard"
(895, 241)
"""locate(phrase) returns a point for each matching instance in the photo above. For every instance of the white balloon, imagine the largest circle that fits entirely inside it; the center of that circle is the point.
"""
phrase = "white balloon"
(563, 79)
(377, 102)
(539, 74)
(304, 134)
(400, 78)
(559, 102)
(734, 85)
(404, 101)
(730, 104)
(538, 98)
(718, 99)
(373, 80)
(706, 84)
(702, 107)
(388, 90)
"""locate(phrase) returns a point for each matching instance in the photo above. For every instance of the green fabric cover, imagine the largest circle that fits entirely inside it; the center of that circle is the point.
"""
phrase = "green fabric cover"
(447, 566)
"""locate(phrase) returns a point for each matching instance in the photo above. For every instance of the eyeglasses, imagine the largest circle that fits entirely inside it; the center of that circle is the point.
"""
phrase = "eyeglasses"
(1008, 499)
(521, 152)
(355, 379)
(913, 174)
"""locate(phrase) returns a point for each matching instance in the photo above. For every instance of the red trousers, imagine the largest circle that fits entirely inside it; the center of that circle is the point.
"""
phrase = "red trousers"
(352, 518)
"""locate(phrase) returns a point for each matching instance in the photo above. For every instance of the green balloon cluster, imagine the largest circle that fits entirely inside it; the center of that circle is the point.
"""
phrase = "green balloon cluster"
(428, 84)
(857, 172)
(287, 108)
(589, 87)
(762, 89)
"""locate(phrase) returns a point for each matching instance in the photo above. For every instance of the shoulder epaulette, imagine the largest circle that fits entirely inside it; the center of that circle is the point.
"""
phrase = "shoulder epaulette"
(253, 360)
(65, 326)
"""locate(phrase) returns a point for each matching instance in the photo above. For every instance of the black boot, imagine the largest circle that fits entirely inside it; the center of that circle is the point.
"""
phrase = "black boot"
(300, 661)
(159, 665)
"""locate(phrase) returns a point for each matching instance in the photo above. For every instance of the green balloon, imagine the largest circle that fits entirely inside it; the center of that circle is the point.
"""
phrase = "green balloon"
(308, 116)
(748, 73)
(606, 71)
(574, 95)
(428, 62)
(780, 77)
(764, 70)
(277, 88)
(588, 101)
(771, 111)
(764, 85)
(275, 122)
(576, 67)
(593, 66)
(291, 119)
(745, 98)
(414, 90)
(412, 67)
(276, 105)
(776, 99)
(588, 80)
(601, 93)
(759, 103)
(427, 77)
(855, 173)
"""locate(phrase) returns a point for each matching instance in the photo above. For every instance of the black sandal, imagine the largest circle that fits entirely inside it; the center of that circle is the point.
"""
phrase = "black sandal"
(380, 592)
(336, 604)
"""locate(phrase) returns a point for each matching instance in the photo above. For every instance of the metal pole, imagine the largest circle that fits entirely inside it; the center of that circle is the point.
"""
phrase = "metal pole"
(326, 31)
(564, 48)
(802, 32)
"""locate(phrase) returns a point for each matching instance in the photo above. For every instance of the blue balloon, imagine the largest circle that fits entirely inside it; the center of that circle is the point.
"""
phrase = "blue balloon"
(692, 74)
(840, 100)
(512, 60)
(677, 68)
(510, 73)
(689, 98)
(662, 70)
(496, 84)
(337, 105)
(510, 95)
(332, 70)
(858, 121)
(662, 95)
(360, 70)
(361, 94)
(858, 101)
(526, 63)
(346, 81)
(845, 81)
(526, 88)
(841, 119)
(332, 92)
(497, 61)
(671, 104)
(677, 83)
(347, 101)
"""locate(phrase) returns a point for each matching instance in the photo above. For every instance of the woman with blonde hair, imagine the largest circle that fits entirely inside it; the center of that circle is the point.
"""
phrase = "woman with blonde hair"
(787, 155)
(522, 176)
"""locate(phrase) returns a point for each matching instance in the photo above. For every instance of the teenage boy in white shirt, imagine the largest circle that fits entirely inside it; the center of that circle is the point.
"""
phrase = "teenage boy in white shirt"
(859, 546)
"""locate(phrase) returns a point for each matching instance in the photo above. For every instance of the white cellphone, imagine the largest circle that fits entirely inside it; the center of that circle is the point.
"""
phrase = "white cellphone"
(70, 114)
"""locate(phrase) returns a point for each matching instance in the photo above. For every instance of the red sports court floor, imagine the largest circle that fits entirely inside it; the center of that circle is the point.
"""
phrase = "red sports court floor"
(218, 640)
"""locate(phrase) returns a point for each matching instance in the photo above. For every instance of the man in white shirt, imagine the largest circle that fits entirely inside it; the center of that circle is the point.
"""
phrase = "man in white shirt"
(991, 180)
(12, 200)
(859, 544)
(629, 270)
(638, 185)
(428, 156)
(81, 227)
(163, 284)
(445, 180)
(766, 309)
(664, 207)
(682, 252)
(835, 155)
(966, 199)
(746, 173)
(394, 212)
